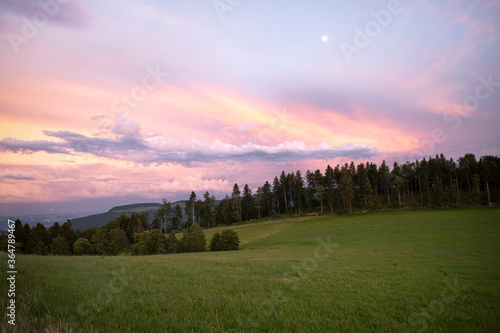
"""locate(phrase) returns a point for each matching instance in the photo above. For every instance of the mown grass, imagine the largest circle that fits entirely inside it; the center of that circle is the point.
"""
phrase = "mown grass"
(412, 271)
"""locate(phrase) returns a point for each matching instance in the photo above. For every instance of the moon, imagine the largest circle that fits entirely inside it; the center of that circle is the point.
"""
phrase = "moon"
(324, 38)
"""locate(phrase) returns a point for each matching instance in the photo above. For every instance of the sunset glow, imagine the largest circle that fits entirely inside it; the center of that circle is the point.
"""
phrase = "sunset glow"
(136, 101)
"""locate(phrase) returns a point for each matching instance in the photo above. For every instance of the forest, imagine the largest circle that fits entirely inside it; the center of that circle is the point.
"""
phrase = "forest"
(429, 183)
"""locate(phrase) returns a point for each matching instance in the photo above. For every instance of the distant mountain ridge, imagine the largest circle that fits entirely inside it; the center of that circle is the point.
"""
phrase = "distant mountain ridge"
(99, 220)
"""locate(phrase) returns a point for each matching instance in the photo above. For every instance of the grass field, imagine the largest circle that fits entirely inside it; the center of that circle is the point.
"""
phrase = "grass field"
(413, 271)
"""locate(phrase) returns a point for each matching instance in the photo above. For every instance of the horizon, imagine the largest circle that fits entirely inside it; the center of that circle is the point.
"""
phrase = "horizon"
(107, 104)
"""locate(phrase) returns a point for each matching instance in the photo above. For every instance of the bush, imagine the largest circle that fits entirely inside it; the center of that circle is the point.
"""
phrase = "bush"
(171, 243)
(59, 246)
(82, 247)
(118, 241)
(194, 239)
(228, 240)
(149, 243)
(215, 244)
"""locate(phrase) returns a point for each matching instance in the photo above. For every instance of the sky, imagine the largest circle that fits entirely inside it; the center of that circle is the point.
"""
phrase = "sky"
(115, 102)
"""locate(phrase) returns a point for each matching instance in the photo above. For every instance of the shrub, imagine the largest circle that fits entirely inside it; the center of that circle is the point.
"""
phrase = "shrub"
(215, 243)
(82, 247)
(194, 238)
(59, 246)
(229, 240)
(171, 243)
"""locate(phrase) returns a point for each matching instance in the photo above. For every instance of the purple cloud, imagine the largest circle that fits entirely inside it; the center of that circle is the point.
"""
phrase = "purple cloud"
(159, 150)
(18, 175)
(70, 14)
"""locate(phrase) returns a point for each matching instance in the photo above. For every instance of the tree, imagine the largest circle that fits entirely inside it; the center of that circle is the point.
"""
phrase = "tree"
(208, 210)
(54, 231)
(177, 218)
(38, 242)
(277, 193)
(149, 243)
(283, 184)
(236, 203)
(475, 188)
(100, 241)
(27, 233)
(171, 243)
(468, 166)
(485, 166)
(266, 199)
(215, 243)
(59, 246)
(190, 215)
(229, 240)
(398, 177)
(118, 241)
(385, 180)
(194, 237)
(319, 194)
(330, 187)
(164, 215)
(140, 247)
(155, 242)
(247, 203)
(226, 210)
(68, 234)
(21, 237)
(83, 247)
(346, 188)
(258, 201)
(299, 191)
(138, 223)
(365, 184)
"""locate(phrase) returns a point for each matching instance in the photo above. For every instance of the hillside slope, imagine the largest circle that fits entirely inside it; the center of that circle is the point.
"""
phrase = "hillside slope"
(409, 271)
(99, 220)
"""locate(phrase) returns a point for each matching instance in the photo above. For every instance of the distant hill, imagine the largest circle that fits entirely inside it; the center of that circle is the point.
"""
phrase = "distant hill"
(99, 220)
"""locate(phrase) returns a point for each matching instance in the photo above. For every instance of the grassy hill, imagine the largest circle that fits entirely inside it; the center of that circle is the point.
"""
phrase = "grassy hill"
(410, 271)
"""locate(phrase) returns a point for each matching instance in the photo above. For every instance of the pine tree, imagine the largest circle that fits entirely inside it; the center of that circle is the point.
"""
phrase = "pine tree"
(164, 215)
(299, 191)
(236, 203)
(319, 195)
(247, 203)
(346, 185)
(177, 218)
(215, 243)
(208, 210)
(190, 213)
(266, 199)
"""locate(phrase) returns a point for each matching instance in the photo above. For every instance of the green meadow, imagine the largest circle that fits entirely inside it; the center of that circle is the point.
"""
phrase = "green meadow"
(403, 271)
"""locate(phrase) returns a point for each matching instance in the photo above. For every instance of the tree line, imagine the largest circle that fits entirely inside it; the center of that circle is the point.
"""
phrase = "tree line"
(434, 182)
(430, 182)
(125, 233)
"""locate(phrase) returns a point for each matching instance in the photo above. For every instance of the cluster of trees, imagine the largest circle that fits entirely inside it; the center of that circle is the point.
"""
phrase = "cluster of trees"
(430, 182)
(112, 239)
(57, 240)
(193, 240)
(228, 240)
(122, 234)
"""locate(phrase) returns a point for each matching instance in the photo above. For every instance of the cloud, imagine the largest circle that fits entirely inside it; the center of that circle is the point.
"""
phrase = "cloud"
(67, 13)
(122, 126)
(18, 175)
(130, 145)
(15, 146)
